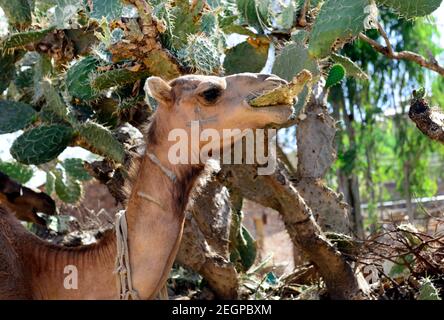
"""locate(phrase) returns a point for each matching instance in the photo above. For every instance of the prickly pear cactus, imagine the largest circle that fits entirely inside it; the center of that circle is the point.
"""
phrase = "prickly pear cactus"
(41, 144)
(15, 116)
(246, 57)
(99, 140)
(115, 78)
(78, 78)
(69, 190)
(201, 55)
(428, 290)
(74, 168)
(17, 171)
(338, 22)
(412, 8)
(351, 68)
(18, 13)
(19, 40)
(292, 59)
(110, 9)
(335, 75)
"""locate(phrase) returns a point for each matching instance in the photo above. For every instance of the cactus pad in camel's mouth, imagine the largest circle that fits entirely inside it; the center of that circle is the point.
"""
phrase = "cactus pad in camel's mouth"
(284, 94)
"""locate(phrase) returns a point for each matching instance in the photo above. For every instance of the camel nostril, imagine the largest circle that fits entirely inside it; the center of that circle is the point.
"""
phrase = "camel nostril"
(273, 78)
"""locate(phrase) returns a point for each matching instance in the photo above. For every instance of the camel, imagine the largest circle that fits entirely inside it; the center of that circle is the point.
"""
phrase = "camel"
(23, 202)
(159, 193)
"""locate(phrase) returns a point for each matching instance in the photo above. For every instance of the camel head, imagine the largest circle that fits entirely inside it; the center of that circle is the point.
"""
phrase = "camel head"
(215, 103)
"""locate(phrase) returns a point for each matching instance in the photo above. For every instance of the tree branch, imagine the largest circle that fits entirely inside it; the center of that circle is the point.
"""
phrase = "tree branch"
(430, 121)
(402, 55)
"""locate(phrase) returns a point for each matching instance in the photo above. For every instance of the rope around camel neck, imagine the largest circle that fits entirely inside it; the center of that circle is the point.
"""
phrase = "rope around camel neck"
(123, 266)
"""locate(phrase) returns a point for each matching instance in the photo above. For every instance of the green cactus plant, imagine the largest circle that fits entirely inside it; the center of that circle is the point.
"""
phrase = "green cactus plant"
(100, 140)
(7, 68)
(50, 181)
(41, 144)
(412, 8)
(351, 68)
(337, 22)
(15, 116)
(78, 78)
(292, 59)
(18, 13)
(255, 13)
(110, 9)
(19, 40)
(428, 290)
(74, 168)
(246, 57)
(16, 171)
(335, 75)
(201, 55)
(69, 191)
(116, 77)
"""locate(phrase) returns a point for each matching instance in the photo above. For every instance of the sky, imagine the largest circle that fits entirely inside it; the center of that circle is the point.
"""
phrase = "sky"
(39, 177)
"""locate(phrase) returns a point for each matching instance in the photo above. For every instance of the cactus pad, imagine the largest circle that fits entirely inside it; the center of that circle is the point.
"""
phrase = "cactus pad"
(201, 55)
(41, 144)
(351, 68)
(74, 168)
(69, 191)
(78, 78)
(16, 171)
(15, 116)
(412, 8)
(335, 75)
(18, 13)
(337, 22)
(98, 139)
(246, 57)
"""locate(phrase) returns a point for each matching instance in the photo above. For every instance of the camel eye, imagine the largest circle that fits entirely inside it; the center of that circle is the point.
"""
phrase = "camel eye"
(211, 95)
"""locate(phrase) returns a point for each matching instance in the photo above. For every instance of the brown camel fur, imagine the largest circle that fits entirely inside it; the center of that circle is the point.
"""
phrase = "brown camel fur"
(33, 269)
(24, 202)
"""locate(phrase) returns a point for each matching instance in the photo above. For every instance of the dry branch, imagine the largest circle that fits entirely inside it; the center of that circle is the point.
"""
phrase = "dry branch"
(429, 120)
(402, 55)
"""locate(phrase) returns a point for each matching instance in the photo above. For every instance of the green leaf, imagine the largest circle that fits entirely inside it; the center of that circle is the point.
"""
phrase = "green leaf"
(351, 68)
(78, 78)
(99, 140)
(15, 116)
(41, 144)
(17, 171)
(337, 22)
(74, 168)
(335, 75)
(110, 9)
(69, 191)
(245, 58)
(18, 13)
(412, 8)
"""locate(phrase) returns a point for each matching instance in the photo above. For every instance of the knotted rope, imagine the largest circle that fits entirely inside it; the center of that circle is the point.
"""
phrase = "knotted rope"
(123, 267)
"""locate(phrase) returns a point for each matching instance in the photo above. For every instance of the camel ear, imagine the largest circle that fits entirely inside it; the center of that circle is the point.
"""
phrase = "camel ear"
(158, 89)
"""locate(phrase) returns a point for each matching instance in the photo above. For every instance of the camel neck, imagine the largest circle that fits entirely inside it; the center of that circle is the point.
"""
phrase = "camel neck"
(155, 217)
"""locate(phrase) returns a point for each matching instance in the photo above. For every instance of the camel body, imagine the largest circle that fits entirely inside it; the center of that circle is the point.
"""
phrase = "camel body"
(31, 268)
